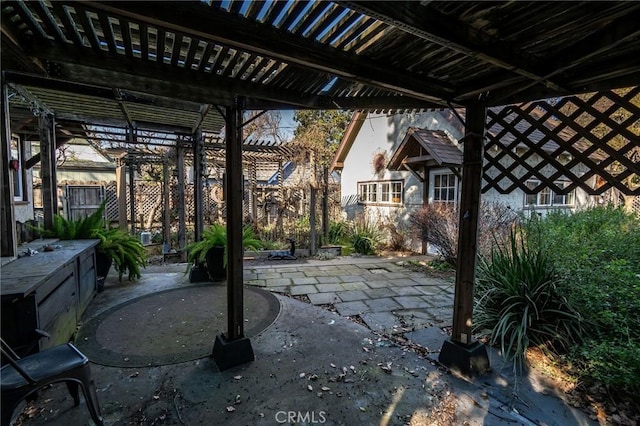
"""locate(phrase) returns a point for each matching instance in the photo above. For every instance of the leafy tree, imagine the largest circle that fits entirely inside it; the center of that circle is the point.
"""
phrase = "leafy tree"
(316, 139)
(318, 134)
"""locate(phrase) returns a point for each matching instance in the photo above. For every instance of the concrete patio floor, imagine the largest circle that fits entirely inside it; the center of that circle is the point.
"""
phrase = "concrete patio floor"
(314, 365)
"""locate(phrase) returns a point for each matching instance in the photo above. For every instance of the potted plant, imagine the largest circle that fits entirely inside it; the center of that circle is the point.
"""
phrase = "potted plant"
(125, 251)
(211, 250)
(116, 246)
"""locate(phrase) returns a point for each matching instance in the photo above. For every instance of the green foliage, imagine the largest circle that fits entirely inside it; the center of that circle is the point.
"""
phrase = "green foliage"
(365, 236)
(517, 298)
(216, 236)
(318, 132)
(597, 252)
(616, 363)
(440, 265)
(126, 251)
(338, 232)
(79, 229)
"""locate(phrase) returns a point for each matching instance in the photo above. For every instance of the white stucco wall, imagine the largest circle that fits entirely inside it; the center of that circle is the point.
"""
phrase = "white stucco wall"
(382, 133)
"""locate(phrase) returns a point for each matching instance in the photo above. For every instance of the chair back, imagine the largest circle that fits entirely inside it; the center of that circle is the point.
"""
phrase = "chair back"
(12, 359)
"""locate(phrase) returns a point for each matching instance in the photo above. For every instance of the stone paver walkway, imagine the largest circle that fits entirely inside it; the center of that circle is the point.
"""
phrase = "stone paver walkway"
(387, 296)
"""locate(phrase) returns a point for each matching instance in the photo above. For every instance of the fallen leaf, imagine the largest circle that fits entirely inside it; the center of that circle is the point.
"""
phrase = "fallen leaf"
(237, 377)
(332, 365)
(324, 388)
(363, 409)
(310, 388)
(231, 408)
(156, 397)
(313, 377)
(302, 375)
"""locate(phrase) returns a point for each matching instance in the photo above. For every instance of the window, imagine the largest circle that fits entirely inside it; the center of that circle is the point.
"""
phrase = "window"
(546, 197)
(17, 168)
(445, 187)
(382, 192)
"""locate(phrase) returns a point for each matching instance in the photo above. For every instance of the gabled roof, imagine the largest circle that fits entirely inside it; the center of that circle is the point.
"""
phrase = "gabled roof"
(433, 147)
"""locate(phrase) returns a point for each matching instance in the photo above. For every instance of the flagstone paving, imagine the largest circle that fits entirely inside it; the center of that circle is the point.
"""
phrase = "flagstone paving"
(387, 296)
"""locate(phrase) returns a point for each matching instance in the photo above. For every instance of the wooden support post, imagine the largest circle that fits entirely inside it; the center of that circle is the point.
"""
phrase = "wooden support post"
(166, 200)
(425, 201)
(325, 204)
(8, 237)
(253, 173)
(234, 349)
(312, 220)
(121, 190)
(132, 196)
(132, 185)
(198, 169)
(460, 352)
(198, 273)
(182, 226)
(280, 206)
(48, 169)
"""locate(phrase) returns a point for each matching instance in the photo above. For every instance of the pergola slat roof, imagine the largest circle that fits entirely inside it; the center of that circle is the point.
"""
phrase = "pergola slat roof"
(293, 54)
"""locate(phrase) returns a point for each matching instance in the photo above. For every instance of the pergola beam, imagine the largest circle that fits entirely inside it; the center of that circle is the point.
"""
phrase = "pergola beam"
(204, 22)
(431, 25)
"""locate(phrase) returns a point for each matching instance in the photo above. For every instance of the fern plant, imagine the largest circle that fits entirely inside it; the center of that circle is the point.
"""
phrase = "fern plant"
(126, 252)
(216, 236)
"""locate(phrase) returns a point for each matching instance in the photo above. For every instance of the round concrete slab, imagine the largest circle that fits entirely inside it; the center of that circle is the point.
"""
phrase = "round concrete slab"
(170, 326)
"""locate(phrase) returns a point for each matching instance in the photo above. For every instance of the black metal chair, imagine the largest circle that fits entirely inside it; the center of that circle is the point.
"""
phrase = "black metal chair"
(21, 377)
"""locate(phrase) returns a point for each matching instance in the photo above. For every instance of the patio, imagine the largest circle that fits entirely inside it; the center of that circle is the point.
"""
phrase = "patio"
(312, 365)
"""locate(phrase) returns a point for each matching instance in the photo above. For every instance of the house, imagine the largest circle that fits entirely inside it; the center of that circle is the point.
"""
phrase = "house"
(84, 175)
(391, 165)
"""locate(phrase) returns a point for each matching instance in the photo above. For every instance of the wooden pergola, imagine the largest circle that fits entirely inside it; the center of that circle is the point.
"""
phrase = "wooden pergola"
(189, 67)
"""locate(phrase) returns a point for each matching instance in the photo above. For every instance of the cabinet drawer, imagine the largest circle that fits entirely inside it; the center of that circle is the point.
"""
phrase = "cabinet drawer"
(58, 301)
(52, 282)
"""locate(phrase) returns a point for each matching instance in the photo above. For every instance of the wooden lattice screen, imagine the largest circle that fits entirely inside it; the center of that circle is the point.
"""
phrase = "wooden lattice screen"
(589, 141)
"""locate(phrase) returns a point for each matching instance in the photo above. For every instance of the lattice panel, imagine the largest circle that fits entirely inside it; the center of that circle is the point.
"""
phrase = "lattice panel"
(589, 141)
(635, 205)
(111, 194)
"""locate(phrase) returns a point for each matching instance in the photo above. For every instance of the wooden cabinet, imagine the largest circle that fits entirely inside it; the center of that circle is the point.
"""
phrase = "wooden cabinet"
(47, 291)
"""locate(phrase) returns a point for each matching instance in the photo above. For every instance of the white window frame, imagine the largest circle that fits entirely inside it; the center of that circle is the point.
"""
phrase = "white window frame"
(384, 192)
(450, 192)
(546, 197)
(17, 153)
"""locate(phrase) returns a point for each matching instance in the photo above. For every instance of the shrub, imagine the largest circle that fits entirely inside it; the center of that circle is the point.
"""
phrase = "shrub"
(613, 362)
(597, 252)
(437, 224)
(364, 236)
(338, 232)
(517, 298)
